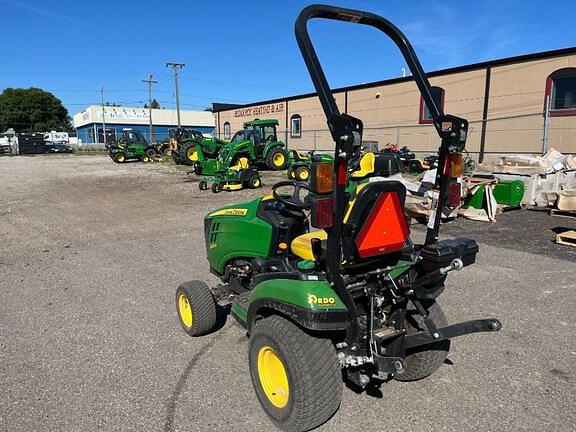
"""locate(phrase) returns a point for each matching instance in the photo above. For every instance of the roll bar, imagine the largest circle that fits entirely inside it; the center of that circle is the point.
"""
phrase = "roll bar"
(347, 134)
(356, 17)
(451, 129)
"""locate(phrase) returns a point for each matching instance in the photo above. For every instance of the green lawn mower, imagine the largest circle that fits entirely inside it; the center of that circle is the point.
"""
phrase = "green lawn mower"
(132, 146)
(327, 283)
(299, 163)
(239, 176)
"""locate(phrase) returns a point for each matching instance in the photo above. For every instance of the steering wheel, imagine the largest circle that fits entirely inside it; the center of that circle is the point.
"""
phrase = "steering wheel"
(293, 202)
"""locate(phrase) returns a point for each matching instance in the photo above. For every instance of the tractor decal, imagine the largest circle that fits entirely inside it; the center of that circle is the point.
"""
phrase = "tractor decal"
(230, 212)
(321, 301)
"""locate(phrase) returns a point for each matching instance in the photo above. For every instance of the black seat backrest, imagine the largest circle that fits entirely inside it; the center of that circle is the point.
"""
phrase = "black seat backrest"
(387, 164)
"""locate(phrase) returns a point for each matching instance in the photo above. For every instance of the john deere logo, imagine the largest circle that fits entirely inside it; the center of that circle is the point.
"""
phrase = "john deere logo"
(230, 212)
(321, 301)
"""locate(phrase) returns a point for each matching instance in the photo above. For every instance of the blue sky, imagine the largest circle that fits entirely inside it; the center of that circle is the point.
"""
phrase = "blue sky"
(240, 51)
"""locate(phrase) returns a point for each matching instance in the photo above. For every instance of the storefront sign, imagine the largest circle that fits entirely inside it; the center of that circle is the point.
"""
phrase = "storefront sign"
(259, 110)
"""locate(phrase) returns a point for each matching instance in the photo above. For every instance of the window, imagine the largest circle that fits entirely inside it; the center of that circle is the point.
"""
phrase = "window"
(561, 92)
(295, 126)
(226, 131)
(239, 136)
(269, 133)
(438, 96)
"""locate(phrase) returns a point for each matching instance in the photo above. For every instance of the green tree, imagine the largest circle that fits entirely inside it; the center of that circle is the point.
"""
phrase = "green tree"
(32, 110)
(154, 104)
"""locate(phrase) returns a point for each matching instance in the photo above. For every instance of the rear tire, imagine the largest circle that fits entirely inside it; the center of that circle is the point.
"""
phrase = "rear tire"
(196, 308)
(216, 187)
(119, 158)
(151, 153)
(188, 153)
(424, 360)
(276, 159)
(296, 376)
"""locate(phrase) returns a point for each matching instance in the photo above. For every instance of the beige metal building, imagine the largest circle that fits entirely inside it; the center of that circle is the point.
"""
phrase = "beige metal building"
(523, 104)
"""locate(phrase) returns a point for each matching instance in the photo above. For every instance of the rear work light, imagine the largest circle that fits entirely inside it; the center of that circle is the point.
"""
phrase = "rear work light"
(454, 165)
(322, 177)
(321, 215)
(385, 229)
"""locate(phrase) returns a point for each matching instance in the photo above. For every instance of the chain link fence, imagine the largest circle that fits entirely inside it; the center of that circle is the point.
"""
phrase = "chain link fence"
(527, 133)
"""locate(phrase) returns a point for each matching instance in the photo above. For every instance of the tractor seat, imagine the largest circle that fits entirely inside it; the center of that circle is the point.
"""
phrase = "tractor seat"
(240, 165)
(301, 246)
(299, 156)
(366, 166)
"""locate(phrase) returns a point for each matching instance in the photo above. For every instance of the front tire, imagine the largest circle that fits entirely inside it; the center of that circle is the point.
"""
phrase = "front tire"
(254, 182)
(276, 159)
(196, 308)
(424, 360)
(302, 173)
(296, 376)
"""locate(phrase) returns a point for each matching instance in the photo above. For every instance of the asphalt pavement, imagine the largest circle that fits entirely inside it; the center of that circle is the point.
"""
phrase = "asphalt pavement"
(91, 254)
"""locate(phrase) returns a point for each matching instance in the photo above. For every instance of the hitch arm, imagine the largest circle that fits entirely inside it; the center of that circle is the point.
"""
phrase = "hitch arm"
(452, 331)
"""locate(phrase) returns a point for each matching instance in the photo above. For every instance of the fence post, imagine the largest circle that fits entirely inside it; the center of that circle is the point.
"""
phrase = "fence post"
(314, 139)
(545, 129)
(398, 136)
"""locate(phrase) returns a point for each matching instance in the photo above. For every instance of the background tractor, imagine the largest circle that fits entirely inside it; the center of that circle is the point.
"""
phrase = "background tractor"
(299, 163)
(132, 146)
(188, 146)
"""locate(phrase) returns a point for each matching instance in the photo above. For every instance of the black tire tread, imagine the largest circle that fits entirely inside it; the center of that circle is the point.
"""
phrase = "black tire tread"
(425, 360)
(314, 369)
(203, 307)
(183, 153)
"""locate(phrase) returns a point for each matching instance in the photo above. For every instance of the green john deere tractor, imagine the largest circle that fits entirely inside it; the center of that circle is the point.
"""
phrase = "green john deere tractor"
(132, 146)
(299, 163)
(190, 147)
(329, 285)
(258, 142)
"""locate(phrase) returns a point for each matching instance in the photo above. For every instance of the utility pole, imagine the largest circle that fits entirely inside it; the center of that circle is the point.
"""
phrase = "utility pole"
(150, 81)
(176, 66)
(103, 117)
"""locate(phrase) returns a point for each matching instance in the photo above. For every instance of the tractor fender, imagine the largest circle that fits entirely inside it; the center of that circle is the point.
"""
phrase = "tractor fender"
(312, 304)
(270, 146)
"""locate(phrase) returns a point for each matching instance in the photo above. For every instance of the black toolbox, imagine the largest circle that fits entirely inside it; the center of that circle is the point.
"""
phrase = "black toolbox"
(441, 254)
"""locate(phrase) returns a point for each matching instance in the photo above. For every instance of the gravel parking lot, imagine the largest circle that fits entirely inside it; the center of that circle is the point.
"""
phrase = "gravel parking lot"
(91, 253)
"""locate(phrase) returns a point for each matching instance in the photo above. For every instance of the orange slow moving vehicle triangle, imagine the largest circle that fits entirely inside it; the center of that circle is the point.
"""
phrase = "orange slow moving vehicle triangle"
(385, 230)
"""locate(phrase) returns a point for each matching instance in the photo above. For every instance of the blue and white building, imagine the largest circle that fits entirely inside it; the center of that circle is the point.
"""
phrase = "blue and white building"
(89, 125)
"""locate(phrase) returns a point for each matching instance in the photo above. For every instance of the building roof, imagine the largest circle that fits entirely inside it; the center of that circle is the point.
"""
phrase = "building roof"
(458, 69)
(139, 116)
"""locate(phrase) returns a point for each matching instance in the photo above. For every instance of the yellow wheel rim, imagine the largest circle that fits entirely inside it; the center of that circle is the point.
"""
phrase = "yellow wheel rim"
(145, 159)
(121, 158)
(278, 159)
(273, 377)
(185, 310)
(304, 174)
(256, 182)
(192, 154)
